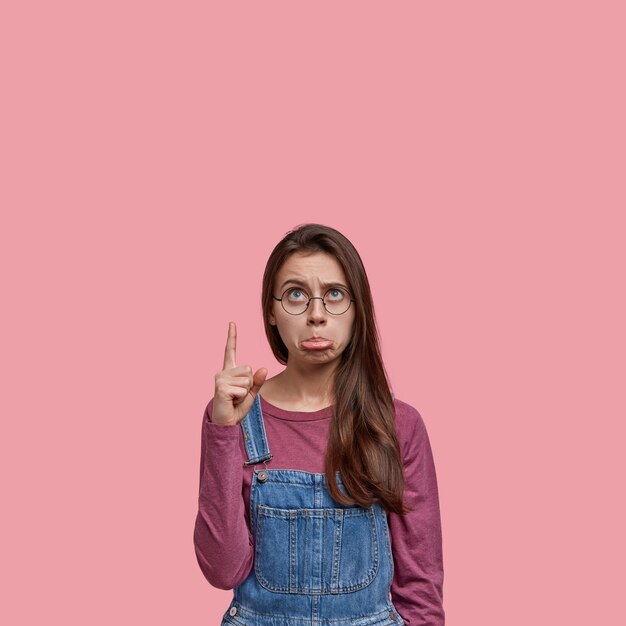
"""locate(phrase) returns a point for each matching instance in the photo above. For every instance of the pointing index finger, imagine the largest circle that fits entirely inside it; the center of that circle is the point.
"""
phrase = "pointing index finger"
(231, 346)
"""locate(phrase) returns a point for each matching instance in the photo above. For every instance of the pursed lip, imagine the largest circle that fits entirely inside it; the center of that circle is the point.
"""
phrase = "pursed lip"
(317, 339)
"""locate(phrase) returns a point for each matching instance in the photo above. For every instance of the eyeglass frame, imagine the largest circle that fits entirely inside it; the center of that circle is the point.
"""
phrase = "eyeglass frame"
(314, 298)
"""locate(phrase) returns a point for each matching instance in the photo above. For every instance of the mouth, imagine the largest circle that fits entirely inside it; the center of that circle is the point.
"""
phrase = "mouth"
(316, 343)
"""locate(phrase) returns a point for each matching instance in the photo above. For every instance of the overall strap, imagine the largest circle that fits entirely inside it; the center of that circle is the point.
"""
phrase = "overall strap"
(254, 435)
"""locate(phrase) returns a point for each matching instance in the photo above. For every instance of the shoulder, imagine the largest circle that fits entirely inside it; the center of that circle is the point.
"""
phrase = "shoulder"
(410, 426)
(408, 418)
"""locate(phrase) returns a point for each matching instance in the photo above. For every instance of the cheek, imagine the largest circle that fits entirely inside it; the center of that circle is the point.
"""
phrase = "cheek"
(351, 329)
(286, 329)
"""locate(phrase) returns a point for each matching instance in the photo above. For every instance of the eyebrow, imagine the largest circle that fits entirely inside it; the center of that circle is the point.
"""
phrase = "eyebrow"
(301, 283)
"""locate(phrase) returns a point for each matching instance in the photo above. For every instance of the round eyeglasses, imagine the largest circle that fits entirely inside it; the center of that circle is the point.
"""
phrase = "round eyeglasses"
(296, 301)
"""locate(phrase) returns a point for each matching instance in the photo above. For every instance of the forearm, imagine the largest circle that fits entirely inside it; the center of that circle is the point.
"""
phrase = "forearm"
(222, 540)
(417, 588)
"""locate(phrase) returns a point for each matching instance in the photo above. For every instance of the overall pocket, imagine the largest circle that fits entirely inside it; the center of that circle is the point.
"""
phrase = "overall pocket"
(327, 550)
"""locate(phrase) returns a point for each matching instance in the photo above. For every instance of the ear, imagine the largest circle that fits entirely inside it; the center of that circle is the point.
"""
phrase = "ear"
(272, 319)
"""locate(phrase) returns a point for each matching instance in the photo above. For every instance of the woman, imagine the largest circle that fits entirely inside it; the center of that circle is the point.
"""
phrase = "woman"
(318, 494)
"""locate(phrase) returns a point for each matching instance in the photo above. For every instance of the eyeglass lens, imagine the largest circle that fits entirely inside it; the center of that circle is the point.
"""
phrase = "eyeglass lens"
(295, 300)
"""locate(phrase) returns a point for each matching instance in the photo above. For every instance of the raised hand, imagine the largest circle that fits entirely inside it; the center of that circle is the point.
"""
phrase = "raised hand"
(235, 387)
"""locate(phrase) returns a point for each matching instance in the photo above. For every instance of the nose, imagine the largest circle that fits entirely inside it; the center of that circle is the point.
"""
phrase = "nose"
(316, 310)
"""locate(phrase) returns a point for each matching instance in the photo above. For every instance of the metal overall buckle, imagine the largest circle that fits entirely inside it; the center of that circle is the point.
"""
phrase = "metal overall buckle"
(261, 475)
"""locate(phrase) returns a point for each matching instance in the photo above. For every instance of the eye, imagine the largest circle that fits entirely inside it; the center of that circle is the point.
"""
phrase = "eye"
(336, 295)
(296, 295)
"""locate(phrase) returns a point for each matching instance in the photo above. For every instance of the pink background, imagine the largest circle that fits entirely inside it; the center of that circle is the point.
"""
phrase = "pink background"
(153, 153)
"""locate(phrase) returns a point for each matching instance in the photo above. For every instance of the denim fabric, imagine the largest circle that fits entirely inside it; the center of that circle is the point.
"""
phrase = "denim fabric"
(316, 562)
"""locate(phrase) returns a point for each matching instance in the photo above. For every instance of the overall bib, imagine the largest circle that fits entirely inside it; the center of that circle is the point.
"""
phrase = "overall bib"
(316, 562)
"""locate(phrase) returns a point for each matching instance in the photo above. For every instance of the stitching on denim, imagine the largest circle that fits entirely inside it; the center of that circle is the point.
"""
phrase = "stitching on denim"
(271, 511)
(291, 518)
(354, 620)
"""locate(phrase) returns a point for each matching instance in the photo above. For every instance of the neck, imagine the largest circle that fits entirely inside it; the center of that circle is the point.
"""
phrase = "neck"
(309, 387)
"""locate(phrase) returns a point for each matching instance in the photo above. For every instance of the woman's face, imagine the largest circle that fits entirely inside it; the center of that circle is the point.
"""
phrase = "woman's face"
(315, 274)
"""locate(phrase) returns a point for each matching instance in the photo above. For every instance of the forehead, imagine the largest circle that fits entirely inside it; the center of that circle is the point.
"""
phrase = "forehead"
(313, 269)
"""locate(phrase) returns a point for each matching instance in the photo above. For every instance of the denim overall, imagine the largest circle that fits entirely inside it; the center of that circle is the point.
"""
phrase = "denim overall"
(316, 562)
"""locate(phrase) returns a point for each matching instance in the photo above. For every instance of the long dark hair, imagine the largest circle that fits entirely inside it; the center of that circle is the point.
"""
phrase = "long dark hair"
(363, 443)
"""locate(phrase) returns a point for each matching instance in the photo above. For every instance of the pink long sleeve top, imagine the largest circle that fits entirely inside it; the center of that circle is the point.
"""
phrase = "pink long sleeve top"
(224, 545)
